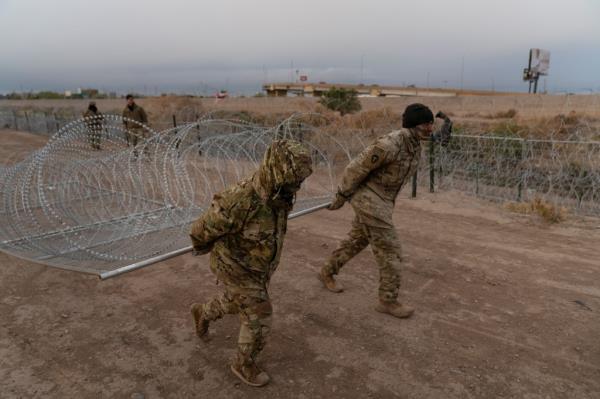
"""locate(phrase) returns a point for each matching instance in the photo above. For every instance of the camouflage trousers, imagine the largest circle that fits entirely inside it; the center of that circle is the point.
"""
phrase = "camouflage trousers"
(386, 248)
(134, 136)
(249, 299)
(94, 136)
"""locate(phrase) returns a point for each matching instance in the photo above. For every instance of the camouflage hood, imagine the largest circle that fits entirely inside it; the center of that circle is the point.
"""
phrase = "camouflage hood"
(284, 167)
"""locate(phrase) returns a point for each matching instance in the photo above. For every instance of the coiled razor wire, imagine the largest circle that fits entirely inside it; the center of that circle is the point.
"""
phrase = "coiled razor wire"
(90, 201)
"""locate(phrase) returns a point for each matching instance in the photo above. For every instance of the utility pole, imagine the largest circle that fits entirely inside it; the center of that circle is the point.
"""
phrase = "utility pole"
(362, 67)
(462, 73)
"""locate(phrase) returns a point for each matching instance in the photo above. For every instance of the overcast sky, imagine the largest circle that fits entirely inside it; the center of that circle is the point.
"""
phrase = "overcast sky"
(200, 46)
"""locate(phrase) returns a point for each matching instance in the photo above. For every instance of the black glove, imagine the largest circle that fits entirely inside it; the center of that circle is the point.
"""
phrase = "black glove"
(443, 135)
(200, 251)
(441, 115)
(199, 248)
(337, 203)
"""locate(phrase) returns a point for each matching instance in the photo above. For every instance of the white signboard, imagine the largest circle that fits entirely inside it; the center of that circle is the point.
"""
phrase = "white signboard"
(539, 61)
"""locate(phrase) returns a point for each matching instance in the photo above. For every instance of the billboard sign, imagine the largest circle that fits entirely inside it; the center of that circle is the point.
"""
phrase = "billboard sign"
(539, 61)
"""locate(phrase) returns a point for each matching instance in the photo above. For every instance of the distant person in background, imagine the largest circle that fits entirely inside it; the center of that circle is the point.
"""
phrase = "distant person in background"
(134, 117)
(93, 123)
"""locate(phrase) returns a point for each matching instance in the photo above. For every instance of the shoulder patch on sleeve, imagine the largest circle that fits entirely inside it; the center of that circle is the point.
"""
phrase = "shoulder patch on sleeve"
(376, 154)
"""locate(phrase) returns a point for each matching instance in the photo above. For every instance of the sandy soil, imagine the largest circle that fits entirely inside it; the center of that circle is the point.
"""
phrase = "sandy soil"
(16, 146)
(507, 307)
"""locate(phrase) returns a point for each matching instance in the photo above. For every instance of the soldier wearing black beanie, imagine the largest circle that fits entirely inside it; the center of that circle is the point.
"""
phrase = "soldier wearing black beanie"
(370, 183)
(416, 114)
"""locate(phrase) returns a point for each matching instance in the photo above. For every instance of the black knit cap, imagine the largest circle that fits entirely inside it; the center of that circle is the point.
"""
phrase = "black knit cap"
(416, 114)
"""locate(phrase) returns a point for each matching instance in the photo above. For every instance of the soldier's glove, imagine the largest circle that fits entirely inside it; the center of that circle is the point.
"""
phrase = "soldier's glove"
(200, 251)
(200, 248)
(441, 115)
(444, 134)
(337, 203)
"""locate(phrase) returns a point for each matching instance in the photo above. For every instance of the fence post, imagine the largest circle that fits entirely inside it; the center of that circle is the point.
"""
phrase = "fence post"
(431, 165)
(177, 139)
(198, 127)
(16, 120)
(477, 153)
(56, 121)
(522, 179)
(28, 123)
(47, 120)
(414, 185)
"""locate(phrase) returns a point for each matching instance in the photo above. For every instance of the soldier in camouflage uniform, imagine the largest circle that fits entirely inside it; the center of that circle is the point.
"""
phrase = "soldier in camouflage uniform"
(244, 230)
(93, 124)
(371, 183)
(133, 113)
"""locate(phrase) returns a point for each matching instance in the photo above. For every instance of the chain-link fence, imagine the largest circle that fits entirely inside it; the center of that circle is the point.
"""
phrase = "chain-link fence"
(49, 122)
(36, 121)
(564, 173)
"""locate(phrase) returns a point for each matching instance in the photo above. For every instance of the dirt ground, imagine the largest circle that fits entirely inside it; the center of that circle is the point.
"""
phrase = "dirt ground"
(507, 307)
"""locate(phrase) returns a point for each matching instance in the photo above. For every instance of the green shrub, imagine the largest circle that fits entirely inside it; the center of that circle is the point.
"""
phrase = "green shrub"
(342, 100)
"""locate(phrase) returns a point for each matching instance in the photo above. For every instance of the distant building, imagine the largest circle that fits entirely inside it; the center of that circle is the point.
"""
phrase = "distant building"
(89, 93)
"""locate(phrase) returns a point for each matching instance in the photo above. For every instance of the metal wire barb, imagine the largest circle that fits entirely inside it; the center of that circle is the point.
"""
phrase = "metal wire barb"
(92, 202)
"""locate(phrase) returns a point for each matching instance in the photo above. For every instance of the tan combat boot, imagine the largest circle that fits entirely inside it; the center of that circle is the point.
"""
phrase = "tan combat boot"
(250, 374)
(329, 282)
(395, 309)
(199, 321)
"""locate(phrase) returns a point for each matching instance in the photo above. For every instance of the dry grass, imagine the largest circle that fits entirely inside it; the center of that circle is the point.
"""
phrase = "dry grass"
(571, 126)
(508, 114)
(165, 111)
(574, 117)
(547, 211)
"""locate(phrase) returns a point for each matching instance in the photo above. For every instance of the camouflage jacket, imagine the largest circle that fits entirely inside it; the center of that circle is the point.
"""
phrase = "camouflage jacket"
(137, 114)
(243, 232)
(384, 166)
(94, 119)
(373, 179)
(90, 114)
(245, 224)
